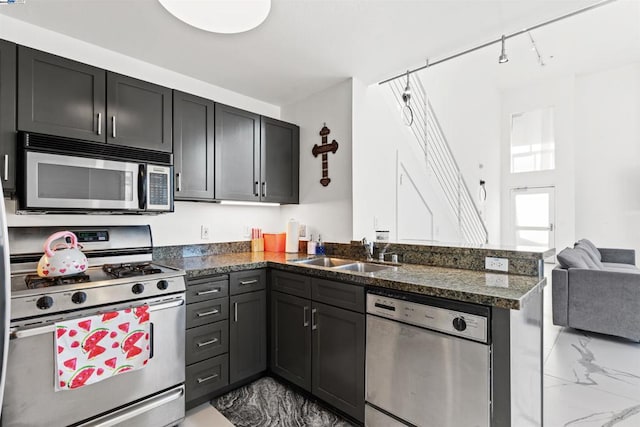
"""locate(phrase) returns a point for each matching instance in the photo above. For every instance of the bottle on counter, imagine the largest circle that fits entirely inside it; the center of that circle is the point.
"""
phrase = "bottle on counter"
(320, 249)
(311, 246)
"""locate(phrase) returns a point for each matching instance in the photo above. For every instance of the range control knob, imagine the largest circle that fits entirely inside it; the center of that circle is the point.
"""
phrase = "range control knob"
(79, 297)
(459, 324)
(162, 285)
(44, 303)
(138, 288)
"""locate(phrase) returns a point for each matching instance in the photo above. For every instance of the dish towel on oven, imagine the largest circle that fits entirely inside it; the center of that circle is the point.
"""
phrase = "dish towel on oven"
(94, 348)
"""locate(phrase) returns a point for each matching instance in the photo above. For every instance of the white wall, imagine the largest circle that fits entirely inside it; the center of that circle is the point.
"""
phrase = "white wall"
(183, 226)
(381, 143)
(607, 184)
(325, 210)
(467, 105)
(559, 93)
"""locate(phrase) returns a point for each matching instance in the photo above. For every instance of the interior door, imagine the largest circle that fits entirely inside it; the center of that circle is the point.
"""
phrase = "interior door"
(533, 216)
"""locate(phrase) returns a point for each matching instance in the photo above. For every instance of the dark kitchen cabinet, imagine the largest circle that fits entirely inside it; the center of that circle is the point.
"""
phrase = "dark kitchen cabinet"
(280, 161)
(8, 140)
(248, 335)
(291, 338)
(139, 113)
(58, 96)
(337, 360)
(317, 346)
(237, 154)
(207, 338)
(193, 137)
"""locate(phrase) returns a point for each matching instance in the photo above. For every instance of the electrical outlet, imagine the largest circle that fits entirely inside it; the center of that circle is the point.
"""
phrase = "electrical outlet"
(246, 231)
(499, 264)
(204, 232)
(302, 230)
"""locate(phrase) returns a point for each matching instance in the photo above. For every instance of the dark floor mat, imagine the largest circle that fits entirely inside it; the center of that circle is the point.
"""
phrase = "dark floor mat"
(266, 402)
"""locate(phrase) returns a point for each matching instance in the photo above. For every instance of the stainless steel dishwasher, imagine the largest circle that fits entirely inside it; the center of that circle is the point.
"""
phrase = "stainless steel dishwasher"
(428, 362)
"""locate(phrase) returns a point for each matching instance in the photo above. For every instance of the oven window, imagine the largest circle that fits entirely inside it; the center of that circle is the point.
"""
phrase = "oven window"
(73, 182)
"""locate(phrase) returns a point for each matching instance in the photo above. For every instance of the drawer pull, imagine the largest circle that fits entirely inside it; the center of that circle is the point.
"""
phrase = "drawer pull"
(205, 379)
(208, 313)
(213, 341)
(211, 291)
(248, 282)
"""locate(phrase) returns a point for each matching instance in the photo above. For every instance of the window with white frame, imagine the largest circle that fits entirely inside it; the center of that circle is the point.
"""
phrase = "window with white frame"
(532, 141)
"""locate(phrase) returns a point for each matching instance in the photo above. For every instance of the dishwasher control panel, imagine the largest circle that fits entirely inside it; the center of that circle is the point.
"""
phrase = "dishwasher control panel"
(452, 322)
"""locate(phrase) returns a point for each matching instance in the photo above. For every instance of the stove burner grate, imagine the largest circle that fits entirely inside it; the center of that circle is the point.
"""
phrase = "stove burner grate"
(130, 270)
(34, 281)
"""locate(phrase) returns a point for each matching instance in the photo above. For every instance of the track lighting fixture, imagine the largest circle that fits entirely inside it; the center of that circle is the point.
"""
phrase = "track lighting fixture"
(503, 55)
(407, 111)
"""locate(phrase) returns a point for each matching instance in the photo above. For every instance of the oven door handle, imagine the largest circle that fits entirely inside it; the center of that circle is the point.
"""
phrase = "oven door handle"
(165, 305)
(32, 332)
(135, 410)
(40, 330)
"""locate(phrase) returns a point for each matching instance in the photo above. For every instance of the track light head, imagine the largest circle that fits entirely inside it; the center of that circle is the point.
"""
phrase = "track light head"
(503, 55)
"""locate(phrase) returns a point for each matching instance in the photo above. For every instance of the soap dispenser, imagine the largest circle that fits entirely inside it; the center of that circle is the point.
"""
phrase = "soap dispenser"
(311, 246)
(320, 250)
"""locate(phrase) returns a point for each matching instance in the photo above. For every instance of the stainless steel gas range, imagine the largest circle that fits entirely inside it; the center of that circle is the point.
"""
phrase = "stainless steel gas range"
(120, 276)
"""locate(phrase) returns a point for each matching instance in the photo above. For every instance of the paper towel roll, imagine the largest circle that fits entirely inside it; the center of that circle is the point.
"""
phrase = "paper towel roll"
(292, 237)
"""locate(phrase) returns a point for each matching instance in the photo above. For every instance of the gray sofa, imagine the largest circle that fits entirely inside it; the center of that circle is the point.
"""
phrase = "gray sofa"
(597, 289)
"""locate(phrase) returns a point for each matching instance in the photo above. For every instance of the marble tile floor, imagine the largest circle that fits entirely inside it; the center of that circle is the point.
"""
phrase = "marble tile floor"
(589, 380)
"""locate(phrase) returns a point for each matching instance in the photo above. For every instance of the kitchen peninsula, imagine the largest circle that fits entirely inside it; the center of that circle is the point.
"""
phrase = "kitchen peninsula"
(512, 302)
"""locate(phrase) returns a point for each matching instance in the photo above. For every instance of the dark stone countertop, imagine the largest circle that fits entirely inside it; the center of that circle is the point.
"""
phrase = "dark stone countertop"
(493, 289)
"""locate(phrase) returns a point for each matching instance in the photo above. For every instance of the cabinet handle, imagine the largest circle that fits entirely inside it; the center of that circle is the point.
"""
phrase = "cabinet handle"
(6, 167)
(113, 126)
(99, 123)
(210, 377)
(179, 181)
(255, 189)
(235, 311)
(202, 344)
(306, 321)
(211, 291)
(314, 325)
(249, 282)
(264, 189)
(208, 313)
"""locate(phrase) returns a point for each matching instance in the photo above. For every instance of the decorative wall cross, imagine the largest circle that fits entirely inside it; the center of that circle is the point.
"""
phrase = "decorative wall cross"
(324, 149)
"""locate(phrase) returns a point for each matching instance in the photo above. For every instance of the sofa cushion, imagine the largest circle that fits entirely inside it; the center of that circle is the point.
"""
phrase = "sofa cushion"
(593, 247)
(587, 257)
(572, 258)
(593, 256)
(619, 266)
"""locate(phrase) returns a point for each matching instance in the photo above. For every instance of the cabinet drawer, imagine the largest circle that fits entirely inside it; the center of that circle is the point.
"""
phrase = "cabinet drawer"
(205, 377)
(291, 283)
(338, 294)
(205, 312)
(247, 281)
(206, 288)
(207, 341)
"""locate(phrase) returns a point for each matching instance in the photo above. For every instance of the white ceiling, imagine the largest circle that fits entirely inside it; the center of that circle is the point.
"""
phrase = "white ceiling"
(303, 47)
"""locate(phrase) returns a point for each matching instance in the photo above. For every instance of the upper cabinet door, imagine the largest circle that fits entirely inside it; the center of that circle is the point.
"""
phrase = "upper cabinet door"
(237, 153)
(139, 113)
(280, 154)
(193, 133)
(8, 116)
(57, 96)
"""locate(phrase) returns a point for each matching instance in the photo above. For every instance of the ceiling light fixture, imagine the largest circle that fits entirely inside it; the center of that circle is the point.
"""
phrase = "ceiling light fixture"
(503, 55)
(534, 47)
(407, 111)
(220, 16)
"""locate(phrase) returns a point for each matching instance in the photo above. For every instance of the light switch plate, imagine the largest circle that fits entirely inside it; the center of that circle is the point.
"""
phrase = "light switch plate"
(498, 264)
(204, 232)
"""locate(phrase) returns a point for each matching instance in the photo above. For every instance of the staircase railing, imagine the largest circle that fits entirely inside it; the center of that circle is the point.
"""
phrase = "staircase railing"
(441, 162)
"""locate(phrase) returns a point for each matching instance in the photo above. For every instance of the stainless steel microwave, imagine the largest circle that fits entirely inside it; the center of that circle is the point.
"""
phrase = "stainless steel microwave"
(54, 182)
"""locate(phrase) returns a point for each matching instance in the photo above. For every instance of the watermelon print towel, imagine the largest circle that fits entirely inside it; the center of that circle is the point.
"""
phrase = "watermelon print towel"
(93, 348)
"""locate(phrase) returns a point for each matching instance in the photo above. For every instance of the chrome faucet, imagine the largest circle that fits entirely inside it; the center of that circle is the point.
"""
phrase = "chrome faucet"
(383, 251)
(368, 249)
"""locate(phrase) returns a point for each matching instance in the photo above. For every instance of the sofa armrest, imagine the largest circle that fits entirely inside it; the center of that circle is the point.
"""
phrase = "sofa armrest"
(622, 256)
(605, 301)
(560, 295)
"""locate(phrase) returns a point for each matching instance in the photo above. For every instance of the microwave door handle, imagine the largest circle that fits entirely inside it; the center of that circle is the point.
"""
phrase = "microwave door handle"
(142, 187)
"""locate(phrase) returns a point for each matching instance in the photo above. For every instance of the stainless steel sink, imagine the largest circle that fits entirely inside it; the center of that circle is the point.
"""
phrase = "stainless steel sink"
(365, 267)
(327, 262)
